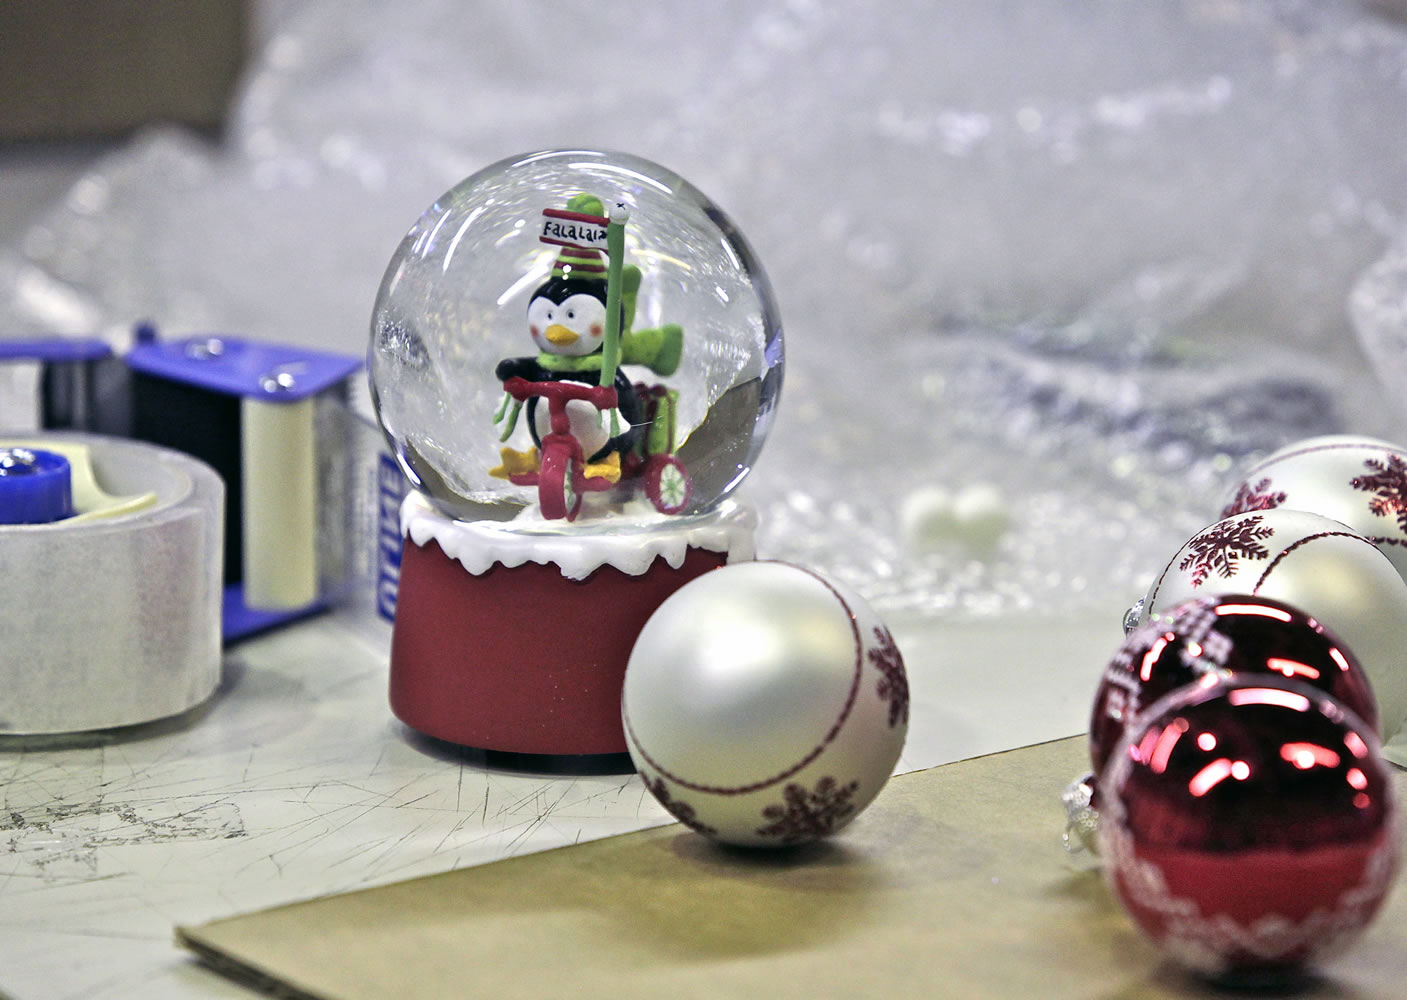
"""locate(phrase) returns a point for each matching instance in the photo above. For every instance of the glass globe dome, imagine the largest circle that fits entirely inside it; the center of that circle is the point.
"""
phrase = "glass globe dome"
(499, 301)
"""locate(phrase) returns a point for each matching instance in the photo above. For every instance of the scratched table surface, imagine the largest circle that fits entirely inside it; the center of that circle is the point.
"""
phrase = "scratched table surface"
(295, 781)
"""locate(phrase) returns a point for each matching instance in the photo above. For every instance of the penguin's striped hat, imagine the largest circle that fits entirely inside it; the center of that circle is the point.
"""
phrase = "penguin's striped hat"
(573, 262)
(581, 262)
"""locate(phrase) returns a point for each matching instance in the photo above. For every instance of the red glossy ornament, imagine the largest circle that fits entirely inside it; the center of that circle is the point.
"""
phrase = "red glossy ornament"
(1249, 827)
(1220, 636)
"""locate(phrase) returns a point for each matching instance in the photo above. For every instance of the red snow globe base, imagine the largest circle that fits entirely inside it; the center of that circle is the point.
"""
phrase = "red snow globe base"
(518, 643)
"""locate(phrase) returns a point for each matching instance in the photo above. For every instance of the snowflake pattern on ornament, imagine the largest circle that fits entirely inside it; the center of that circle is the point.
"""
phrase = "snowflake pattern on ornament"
(1122, 673)
(1211, 944)
(1249, 498)
(1221, 548)
(1205, 650)
(1388, 484)
(805, 815)
(1125, 661)
(681, 811)
(893, 684)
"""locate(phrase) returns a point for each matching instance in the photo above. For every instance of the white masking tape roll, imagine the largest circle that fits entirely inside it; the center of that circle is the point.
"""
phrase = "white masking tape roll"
(112, 618)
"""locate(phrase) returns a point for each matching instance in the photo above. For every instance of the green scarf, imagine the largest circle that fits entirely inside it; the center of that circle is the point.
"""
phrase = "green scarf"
(658, 349)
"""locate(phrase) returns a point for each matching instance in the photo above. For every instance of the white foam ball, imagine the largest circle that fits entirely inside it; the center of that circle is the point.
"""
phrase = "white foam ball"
(926, 516)
(982, 515)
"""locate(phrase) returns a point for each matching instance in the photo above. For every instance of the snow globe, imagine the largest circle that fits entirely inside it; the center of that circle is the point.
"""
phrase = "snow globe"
(575, 358)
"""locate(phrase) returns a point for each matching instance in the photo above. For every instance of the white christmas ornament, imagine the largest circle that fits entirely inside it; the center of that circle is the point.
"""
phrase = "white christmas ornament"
(1315, 564)
(1360, 481)
(764, 705)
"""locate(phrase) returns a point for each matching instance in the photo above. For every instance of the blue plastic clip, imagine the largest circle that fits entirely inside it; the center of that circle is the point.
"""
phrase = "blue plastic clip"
(36, 487)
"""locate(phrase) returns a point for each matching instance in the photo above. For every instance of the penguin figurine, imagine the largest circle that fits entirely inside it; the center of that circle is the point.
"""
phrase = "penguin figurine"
(567, 321)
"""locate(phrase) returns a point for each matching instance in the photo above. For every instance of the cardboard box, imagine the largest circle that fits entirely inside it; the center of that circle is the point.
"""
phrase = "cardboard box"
(953, 884)
(85, 69)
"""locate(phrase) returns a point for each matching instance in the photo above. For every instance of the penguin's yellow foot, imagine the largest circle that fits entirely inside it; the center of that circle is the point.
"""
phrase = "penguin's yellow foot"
(608, 468)
(515, 463)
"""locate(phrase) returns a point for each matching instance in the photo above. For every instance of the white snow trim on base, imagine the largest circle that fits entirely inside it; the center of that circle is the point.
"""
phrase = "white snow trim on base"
(479, 545)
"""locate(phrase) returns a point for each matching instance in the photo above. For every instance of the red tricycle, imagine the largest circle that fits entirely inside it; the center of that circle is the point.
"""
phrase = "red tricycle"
(560, 479)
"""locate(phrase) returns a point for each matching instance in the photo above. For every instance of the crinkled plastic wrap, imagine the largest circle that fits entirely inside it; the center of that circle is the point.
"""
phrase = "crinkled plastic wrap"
(1094, 255)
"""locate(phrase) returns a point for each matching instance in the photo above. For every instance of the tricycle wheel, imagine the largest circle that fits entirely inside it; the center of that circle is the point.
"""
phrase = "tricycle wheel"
(557, 494)
(667, 483)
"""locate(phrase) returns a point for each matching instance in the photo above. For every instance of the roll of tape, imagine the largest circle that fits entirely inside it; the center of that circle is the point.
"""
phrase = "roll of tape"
(280, 504)
(112, 618)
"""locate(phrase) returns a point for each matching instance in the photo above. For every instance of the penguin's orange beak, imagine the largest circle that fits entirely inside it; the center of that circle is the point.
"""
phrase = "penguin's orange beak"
(560, 335)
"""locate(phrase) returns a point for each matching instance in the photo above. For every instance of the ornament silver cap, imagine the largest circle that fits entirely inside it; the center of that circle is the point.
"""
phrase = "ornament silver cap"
(1081, 818)
(1132, 616)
